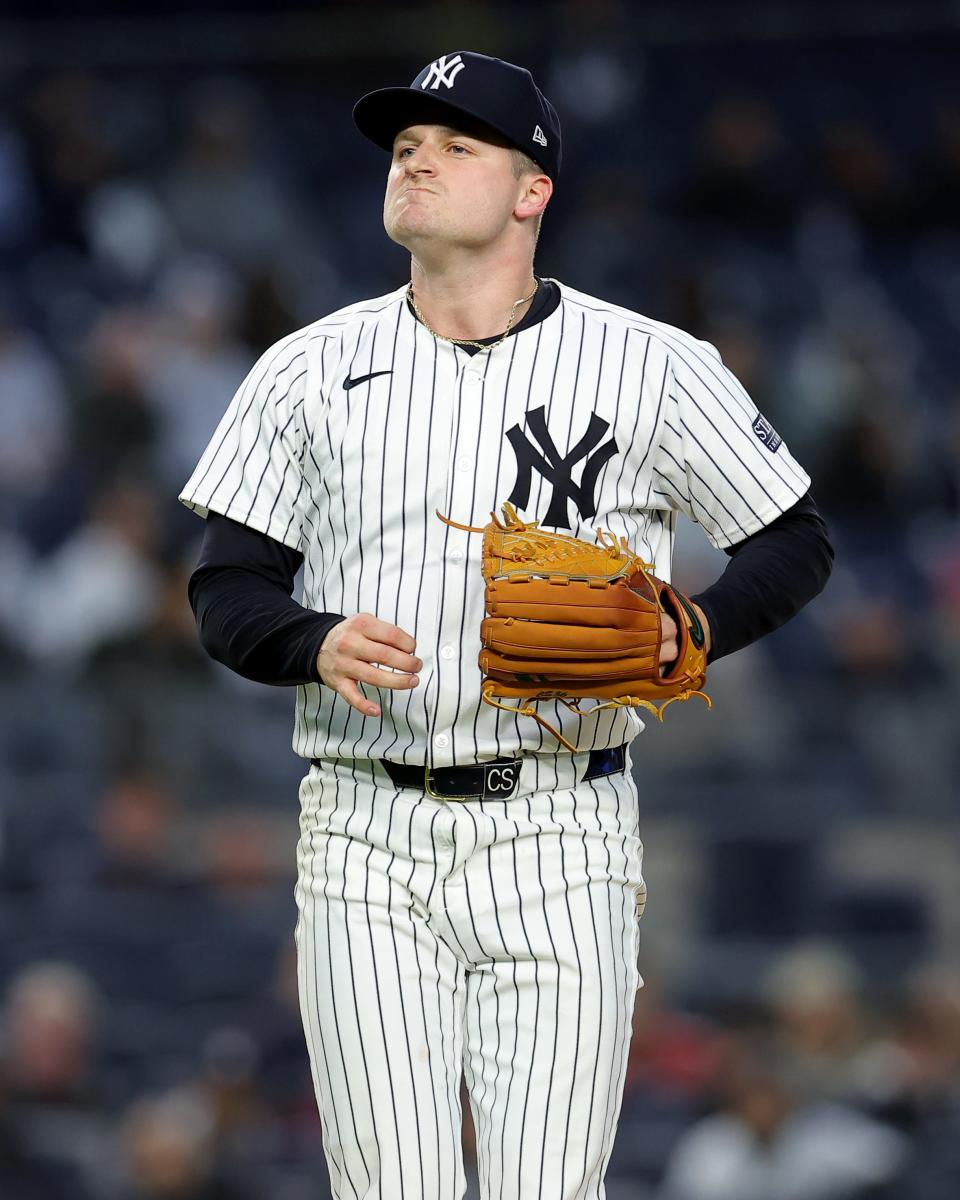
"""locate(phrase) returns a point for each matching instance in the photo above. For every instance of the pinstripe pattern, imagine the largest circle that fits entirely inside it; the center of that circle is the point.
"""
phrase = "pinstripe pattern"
(500, 936)
(351, 478)
(493, 939)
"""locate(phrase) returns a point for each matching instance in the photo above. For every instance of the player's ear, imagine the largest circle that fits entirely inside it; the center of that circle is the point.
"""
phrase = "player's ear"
(537, 190)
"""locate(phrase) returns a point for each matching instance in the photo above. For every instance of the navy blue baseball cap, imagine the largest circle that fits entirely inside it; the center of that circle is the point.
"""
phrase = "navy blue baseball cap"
(487, 91)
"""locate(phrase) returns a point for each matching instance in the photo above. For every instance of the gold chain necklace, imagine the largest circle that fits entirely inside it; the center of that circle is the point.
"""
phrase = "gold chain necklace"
(466, 341)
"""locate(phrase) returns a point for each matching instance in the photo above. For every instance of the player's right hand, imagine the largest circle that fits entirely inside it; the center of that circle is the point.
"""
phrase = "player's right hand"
(349, 652)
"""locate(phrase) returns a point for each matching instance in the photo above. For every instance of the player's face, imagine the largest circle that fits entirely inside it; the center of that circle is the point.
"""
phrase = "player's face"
(446, 186)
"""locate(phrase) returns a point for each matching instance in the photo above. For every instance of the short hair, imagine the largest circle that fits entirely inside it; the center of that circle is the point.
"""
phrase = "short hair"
(523, 164)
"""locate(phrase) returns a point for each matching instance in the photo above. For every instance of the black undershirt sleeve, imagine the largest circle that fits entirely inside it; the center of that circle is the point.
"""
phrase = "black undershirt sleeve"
(770, 577)
(241, 594)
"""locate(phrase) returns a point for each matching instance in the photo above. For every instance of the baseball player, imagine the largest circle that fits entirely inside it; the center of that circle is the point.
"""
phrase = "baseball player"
(468, 892)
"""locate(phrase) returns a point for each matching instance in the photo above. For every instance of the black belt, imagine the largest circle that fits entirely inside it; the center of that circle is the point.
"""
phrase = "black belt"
(496, 779)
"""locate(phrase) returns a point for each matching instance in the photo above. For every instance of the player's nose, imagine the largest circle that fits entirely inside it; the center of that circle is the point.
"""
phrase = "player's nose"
(420, 162)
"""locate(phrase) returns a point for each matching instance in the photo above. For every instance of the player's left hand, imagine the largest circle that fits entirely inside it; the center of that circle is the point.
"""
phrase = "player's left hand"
(669, 649)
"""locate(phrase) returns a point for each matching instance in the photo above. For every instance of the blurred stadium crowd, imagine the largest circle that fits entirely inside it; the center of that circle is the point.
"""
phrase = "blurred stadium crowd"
(798, 206)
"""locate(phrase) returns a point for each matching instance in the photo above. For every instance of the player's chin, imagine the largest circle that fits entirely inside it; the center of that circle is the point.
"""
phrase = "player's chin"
(409, 224)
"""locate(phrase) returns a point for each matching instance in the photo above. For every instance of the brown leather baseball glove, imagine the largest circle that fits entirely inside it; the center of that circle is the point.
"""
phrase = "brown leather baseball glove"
(566, 620)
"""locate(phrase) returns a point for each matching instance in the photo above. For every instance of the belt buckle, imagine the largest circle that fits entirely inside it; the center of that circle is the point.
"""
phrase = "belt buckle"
(427, 772)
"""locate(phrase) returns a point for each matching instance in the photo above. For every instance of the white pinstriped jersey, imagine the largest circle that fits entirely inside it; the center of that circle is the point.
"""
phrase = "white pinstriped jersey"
(595, 416)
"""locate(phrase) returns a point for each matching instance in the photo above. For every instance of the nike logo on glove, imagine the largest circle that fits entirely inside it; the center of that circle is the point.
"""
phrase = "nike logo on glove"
(349, 383)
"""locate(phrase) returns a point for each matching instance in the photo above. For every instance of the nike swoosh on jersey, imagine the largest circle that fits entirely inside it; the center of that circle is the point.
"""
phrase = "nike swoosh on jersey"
(349, 383)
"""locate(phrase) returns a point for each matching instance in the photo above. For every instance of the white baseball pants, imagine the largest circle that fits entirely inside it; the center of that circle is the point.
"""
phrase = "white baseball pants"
(497, 938)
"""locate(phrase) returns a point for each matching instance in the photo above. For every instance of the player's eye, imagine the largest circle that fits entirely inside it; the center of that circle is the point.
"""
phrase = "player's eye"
(404, 150)
(459, 146)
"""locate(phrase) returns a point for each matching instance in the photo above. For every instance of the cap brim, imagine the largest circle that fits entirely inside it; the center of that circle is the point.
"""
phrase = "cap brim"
(382, 114)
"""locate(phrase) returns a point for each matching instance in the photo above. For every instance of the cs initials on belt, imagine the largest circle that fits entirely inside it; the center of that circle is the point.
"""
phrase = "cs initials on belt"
(500, 781)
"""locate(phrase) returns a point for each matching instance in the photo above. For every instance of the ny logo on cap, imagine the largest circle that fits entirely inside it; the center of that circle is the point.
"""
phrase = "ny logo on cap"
(443, 72)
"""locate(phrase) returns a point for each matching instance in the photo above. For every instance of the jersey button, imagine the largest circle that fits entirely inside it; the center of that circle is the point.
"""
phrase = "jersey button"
(441, 741)
(463, 463)
(447, 652)
(457, 556)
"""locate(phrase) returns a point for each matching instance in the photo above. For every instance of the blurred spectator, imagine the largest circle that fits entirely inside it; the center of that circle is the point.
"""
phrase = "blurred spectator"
(266, 313)
(670, 1051)
(66, 127)
(672, 1062)
(16, 562)
(284, 1068)
(747, 356)
(594, 83)
(163, 649)
(102, 581)
(741, 177)
(770, 1143)
(196, 364)
(33, 418)
(169, 1153)
(859, 170)
(856, 365)
(920, 1087)
(245, 1128)
(51, 1033)
(114, 425)
(864, 478)
(243, 858)
(219, 169)
(872, 634)
(814, 994)
(24, 1173)
(928, 1036)
(129, 232)
(613, 239)
(150, 683)
(938, 174)
(19, 210)
(136, 826)
(51, 1014)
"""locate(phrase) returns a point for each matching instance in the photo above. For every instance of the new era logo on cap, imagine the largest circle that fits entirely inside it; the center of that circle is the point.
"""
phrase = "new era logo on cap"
(538, 136)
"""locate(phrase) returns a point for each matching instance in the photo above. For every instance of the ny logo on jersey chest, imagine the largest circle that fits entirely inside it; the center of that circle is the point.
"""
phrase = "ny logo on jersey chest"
(558, 468)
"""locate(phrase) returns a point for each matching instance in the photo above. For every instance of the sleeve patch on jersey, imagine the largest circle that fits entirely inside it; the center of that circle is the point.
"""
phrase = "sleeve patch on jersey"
(767, 434)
